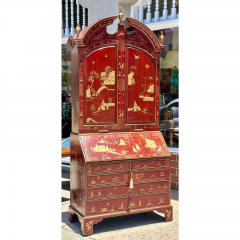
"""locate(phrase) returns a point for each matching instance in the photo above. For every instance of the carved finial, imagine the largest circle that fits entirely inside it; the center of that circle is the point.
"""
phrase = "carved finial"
(161, 38)
(78, 29)
(120, 15)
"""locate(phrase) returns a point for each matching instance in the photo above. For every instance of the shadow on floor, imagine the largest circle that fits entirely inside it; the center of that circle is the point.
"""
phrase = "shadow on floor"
(66, 185)
(65, 174)
(65, 199)
(116, 223)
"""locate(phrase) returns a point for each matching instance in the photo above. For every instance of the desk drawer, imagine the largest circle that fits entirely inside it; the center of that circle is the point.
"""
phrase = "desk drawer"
(148, 164)
(108, 206)
(106, 179)
(143, 188)
(150, 175)
(148, 201)
(120, 166)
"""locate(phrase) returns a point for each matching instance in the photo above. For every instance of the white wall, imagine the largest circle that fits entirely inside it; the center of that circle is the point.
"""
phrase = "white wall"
(98, 9)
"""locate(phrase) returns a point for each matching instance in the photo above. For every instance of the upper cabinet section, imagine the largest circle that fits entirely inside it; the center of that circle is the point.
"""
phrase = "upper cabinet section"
(115, 78)
(100, 84)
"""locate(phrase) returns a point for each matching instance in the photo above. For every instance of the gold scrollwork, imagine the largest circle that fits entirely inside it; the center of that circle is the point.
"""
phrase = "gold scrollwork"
(132, 204)
(93, 182)
(121, 205)
(139, 175)
(99, 193)
(93, 209)
(89, 225)
(121, 167)
(112, 210)
(140, 203)
(153, 176)
(110, 194)
(115, 179)
(168, 214)
(151, 188)
(149, 203)
(142, 189)
(165, 186)
(97, 168)
(92, 194)
(137, 166)
(161, 174)
(109, 169)
(145, 166)
(161, 200)
(102, 210)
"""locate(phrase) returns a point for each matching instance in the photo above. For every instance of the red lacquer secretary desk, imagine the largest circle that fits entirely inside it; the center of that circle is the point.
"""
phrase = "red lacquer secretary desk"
(120, 163)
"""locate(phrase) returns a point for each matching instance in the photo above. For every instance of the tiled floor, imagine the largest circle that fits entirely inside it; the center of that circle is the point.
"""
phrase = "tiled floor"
(149, 225)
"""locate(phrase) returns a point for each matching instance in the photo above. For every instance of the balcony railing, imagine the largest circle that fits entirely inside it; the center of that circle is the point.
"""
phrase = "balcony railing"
(72, 12)
(156, 14)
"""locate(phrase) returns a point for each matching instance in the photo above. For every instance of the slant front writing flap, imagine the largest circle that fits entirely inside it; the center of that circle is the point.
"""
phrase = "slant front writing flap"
(104, 147)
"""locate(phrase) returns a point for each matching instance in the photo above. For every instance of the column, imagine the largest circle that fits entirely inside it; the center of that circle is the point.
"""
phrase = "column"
(78, 18)
(165, 11)
(174, 10)
(136, 13)
(83, 12)
(132, 12)
(72, 27)
(62, 22)
(149, 15)
(156, 14)
(140, 16)
(66, 19)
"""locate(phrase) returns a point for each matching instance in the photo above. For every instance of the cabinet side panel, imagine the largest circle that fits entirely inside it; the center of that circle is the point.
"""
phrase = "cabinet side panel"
(77, 175)
(75, 88)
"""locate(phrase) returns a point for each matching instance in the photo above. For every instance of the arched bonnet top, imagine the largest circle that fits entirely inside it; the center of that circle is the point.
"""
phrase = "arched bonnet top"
(129, 29)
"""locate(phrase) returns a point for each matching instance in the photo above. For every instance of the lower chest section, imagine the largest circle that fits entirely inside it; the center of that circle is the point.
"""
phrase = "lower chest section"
(108, 187)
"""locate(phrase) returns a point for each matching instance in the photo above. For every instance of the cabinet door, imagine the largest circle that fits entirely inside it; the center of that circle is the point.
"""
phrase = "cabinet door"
(100, 84)
(140, 82)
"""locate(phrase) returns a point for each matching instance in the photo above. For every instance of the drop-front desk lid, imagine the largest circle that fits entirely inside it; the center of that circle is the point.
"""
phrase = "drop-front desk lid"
(117, 146)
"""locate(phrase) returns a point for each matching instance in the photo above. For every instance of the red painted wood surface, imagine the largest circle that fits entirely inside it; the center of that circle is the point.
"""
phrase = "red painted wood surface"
(141, 81)
(139, 176)
(108, 206)
(142, 188)
(115, 89)
(123, 146)
(149, 201)
(100, 96)
(105, 179)
(121, 166)
(122, 204)
(148, 164)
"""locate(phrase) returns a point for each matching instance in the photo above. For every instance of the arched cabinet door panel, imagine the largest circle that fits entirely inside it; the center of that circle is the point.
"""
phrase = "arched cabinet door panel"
(140, 83)
(100, 82)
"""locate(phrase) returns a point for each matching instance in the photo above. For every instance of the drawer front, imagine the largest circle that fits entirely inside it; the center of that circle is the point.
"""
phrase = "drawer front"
(96, 168)
(148, 164)
(105, 179)
(121, 190)
(148, 201)
(108, 206)
(150, 175)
